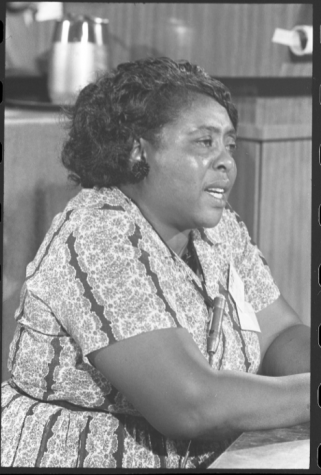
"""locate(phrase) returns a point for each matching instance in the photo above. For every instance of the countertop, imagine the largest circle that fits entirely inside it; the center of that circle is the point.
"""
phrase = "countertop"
(286, 448)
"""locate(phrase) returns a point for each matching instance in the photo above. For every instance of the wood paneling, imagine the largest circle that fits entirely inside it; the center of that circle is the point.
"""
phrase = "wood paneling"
(285, 218)
(226, 39)
(272, 194)
(275, 110)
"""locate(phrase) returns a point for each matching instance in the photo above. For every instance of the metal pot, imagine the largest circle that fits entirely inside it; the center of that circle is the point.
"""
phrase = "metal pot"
(79, 51)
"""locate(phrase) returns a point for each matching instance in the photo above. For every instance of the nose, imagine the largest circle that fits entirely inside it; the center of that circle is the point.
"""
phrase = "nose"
(224, 162)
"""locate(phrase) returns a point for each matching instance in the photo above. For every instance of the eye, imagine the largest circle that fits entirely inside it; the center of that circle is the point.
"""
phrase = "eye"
(231, 147)
(206, 142)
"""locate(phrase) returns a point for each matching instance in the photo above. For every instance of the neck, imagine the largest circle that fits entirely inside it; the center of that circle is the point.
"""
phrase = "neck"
(178, 243)
(176, 239)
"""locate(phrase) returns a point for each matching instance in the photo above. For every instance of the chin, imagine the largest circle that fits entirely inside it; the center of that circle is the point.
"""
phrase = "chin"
(211, 221)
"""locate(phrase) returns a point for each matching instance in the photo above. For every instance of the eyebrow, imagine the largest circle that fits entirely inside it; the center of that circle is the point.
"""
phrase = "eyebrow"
(212, 128)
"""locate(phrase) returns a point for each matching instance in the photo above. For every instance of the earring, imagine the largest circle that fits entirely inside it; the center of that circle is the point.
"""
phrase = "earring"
(140, 170)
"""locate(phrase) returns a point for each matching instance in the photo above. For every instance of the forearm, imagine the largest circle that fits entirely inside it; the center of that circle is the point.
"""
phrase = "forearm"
(289, 353)
(243, 402)
(165, 376)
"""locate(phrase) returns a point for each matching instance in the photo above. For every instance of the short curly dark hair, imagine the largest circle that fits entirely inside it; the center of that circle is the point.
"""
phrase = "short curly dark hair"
(135, 100)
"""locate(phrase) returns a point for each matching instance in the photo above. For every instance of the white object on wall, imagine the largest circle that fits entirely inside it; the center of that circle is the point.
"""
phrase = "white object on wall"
(299, 39)
(48, 11)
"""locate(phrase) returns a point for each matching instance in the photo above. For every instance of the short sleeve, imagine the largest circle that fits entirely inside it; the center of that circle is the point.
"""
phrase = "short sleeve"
(259, 286)
(111, 294)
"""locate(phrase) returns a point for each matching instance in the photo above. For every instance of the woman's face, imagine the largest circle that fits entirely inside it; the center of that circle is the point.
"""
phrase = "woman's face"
(192, 171)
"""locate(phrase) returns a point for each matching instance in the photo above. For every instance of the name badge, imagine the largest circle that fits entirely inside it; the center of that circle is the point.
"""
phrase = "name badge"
(236, 287)
(248, 319)
(245, 311)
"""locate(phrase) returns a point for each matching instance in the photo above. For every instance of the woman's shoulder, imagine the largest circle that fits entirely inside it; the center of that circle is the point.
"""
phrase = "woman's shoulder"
(98, 198)
(95, 204)
(92, 215)
(99, 215)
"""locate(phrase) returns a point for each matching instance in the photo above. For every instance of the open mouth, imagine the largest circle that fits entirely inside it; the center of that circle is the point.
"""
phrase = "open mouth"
(217, 193)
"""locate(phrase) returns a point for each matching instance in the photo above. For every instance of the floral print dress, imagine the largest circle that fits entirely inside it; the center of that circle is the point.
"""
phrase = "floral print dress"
(102, 274)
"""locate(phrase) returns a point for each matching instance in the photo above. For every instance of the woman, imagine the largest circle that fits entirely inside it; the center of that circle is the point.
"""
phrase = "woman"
(109, 360)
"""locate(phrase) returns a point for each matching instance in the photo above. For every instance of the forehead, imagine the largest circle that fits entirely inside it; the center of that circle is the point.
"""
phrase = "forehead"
(203, 112)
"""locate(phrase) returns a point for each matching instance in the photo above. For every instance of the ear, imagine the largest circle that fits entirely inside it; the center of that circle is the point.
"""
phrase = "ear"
(138, 163)
(138, 151)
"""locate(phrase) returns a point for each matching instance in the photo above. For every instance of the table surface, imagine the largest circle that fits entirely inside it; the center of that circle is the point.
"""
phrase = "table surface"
(287, 448)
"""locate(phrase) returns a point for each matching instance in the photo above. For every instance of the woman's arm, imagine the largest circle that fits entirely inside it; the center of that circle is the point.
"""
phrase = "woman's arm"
(285, 341)
(168, 380)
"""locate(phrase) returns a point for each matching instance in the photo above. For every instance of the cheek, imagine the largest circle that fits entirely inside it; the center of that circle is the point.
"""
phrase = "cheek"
(233, 174)
(232, 177)
(185, 171)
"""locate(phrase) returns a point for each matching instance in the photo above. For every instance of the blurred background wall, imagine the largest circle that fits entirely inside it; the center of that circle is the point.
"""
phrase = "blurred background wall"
(271, 87)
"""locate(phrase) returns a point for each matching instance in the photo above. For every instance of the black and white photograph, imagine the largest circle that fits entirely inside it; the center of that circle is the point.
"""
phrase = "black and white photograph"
(157, 227)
